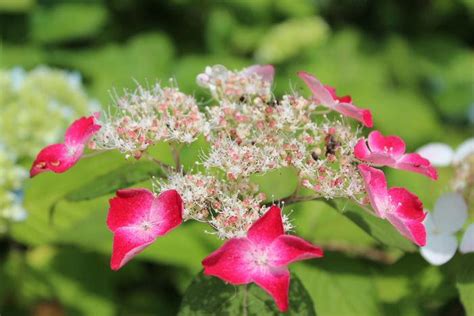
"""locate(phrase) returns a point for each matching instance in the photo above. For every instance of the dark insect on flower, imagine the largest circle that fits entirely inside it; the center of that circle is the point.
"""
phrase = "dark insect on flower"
(315, 156)
(273, 103)
(331, 145)
(242, 99)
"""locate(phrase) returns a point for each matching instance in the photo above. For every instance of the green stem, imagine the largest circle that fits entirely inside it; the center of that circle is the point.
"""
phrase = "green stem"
(165, 167)
(176, 151)
(245, 301)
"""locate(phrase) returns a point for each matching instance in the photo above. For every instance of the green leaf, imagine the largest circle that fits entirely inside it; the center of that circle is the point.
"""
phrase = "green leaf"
(122, 177)
(67, 21)
(16, 5)
(339, 286)
(143, 59)
(376, 227)
(47, 274)
(277, 183)
(316, 221)
(411, 286)
(26, 56)
(288, 39)
(211, 296)
(465, 282)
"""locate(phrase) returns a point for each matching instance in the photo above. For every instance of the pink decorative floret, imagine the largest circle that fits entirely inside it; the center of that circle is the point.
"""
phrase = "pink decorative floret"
(326, 95)
(137, 218)
(261, 257)
(390, 151)
(399, 206)
(61, 157)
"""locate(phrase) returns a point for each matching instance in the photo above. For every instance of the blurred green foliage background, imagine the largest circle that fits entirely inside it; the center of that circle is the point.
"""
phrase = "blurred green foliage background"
(410, 62)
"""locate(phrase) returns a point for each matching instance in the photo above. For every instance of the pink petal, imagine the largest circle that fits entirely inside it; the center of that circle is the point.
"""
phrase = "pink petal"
(392, 146)
(229, 262)
(332, 91)
(415, 163)
(128, 242)
(81, 130)
(376, 187)
(56, 158)
(167, 211)
(361, 150)
(326, 95)
(130, 207)
(412, 229)
(348, 109)
(276, 282)
(320, 93)
(406, 204)
(407, 215)
(287, 249)
(267, 72)
(267, 228)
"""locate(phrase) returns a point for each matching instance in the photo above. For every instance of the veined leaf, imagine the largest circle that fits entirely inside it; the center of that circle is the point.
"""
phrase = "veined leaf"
(340, 286)
(211, 296)
(376, 227)
(121, 177)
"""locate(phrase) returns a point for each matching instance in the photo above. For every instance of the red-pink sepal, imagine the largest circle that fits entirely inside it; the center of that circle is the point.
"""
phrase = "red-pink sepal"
(61, 157)
(416, 163)
(267, 72)
(137, 218)
(390, 151)
(261, 257)
(326, 95)
(399, 206)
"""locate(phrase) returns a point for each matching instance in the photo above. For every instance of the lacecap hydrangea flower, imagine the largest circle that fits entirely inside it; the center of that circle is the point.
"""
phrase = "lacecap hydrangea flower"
(249, 131)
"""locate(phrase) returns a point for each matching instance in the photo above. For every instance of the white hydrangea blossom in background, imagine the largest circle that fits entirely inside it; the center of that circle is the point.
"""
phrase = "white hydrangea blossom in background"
(443, 155)
(442, 224)
(451, 210)
(11, 180)
(28, 98)
(461, 159)
(467, 243)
